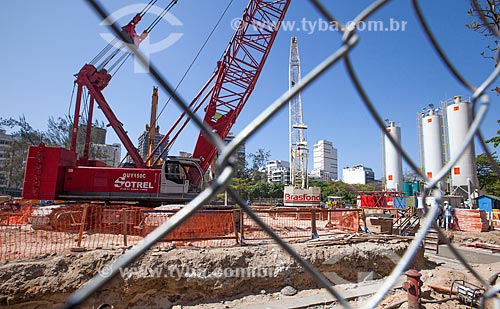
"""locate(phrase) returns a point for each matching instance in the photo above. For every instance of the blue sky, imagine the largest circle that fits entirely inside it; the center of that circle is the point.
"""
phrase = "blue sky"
(47, 42)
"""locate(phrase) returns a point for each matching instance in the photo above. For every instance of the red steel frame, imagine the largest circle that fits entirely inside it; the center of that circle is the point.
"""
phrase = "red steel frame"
(95, 81)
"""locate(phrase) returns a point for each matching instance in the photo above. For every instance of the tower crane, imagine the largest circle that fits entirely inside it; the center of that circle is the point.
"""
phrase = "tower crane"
(299, 153)
(57, 173)
(298, 193)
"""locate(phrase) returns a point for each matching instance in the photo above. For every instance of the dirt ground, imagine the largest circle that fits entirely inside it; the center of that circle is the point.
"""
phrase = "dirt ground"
(491, 237)
(193, 277)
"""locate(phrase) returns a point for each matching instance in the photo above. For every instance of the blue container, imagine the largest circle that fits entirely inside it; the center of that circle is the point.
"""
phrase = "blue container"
(416, 187)
(408, 188)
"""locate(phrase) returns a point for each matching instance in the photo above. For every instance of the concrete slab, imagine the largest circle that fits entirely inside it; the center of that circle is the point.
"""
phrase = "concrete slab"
(472, 256)
(322, 297)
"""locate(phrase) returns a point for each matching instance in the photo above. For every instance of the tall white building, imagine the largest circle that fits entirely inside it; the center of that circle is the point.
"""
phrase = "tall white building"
(278, 171)
(325, 164)
(358, 175)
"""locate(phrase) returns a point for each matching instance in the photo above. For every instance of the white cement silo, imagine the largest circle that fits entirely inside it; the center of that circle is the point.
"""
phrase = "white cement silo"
(464, 172)
(393, 160)
(432, 144)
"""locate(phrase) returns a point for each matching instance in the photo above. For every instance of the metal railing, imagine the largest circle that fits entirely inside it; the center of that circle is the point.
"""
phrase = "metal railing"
(226, 168)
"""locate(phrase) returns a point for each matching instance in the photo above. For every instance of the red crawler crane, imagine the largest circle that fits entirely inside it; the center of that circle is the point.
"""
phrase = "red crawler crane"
(55, 173)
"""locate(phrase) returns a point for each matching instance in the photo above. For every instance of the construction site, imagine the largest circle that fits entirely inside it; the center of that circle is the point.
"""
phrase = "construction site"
(165, 231)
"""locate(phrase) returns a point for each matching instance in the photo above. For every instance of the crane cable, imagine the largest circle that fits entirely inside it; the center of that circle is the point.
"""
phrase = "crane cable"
(71, 100)
(121, 61)
(195, 58)
(124, 57)
(189, 68)
(107, 48)
(147, 7)
(159, 17)
(104, 51)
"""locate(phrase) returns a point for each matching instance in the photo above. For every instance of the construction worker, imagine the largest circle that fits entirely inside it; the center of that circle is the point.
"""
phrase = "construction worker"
(448, 215)
(440, 216)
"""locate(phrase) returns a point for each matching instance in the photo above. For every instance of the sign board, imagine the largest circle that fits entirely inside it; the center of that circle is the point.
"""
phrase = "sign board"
(296, 197)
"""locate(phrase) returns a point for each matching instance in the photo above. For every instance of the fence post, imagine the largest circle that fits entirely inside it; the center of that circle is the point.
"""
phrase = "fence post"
(124, 227)
(314, 231)
(236, 219)
(329, 224)
(363, 218)
(82, 225)
(242, 229)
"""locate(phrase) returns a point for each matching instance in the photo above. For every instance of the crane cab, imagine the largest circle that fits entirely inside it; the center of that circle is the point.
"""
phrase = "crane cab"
(177, 176)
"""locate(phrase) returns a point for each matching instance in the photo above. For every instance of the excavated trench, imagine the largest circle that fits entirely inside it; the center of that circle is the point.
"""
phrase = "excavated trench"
(163, 278)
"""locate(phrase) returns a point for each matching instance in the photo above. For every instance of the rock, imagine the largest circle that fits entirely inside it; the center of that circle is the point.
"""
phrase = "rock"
(288, 291)
(262, 291)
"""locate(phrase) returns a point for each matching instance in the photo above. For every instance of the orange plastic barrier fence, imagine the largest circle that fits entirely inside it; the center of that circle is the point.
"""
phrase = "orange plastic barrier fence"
(31, 232)
(54, 229)
(340, 220)
(298, 224)
(203, 225)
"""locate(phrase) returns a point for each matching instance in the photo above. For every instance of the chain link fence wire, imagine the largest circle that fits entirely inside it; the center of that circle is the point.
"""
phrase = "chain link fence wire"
(226, 163)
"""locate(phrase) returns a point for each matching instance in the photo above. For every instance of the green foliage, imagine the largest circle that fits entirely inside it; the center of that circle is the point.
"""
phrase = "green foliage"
(15, 156)
(248, 189)
(258, 163)
(495, 140)
(24, 130)
(257, 190)
(337, 188)
(59, 131)
(241, 185)
(490, 9)
(24, 135)
(488, 179)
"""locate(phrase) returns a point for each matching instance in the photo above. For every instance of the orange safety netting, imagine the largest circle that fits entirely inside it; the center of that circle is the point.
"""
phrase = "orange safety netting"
(53, 229)
(300, 223)
(34, 231)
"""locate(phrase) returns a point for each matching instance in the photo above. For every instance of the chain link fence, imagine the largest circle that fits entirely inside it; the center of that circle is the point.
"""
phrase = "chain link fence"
(226, 166)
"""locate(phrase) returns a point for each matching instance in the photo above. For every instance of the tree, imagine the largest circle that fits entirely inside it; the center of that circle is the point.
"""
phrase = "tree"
(59, 131)
(24, 136)
(57, 134)
(488, 179)
(258, 163)
(410, 176)
(495, 140)
(487, 22)
(337, 188)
